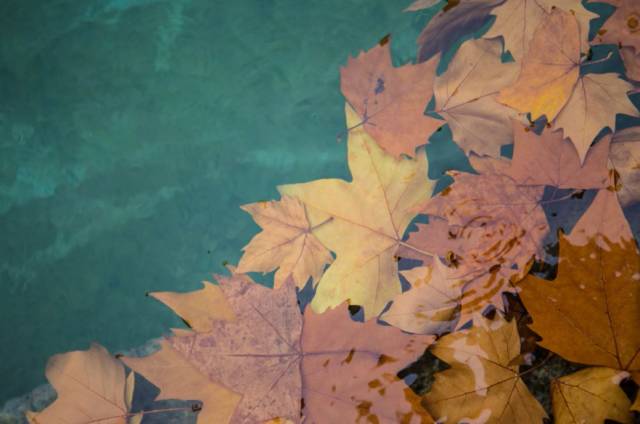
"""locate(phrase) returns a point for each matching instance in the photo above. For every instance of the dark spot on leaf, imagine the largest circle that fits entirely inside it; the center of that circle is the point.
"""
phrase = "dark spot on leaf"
(385, 40)
(383, 359)
(349, 357)
(195, 407)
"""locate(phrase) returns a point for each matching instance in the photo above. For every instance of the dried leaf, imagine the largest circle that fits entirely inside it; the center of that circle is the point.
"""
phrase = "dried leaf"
(588, 314)
(286, 242)
(482, 384)
(550, 70)
(342, 370)
(623, 27)
(90, 385)
(390, 101)
(368, 217)
(517, 20)
(466, 97)
(548, 159)
(590, 395)
(594, 104)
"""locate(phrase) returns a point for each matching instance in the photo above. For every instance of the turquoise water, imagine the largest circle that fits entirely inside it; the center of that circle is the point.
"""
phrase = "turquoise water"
(131, 131)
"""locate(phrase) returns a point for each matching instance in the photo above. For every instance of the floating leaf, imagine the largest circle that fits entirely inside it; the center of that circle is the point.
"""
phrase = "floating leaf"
(483, 384)
(91, 387)
(517, 20)
(623, 27)
(286, 242)
(341, 369)
(550, 70)
(590, 395)
(389, 101)
(466, 97)
(588, 314)
(368, 218)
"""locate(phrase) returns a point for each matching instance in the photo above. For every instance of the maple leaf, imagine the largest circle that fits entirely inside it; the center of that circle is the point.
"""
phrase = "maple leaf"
(286, 243)
(274, 357)
(483, 384)
(594, 104)
(550, 70)
(489, 229)
(590, 395)
(466, 97)
(90, 386)
(550, 84)
(517, 20)
(390, 101)
(549, 159)
(623, 27)
(625, 157)
(588, 313)
(430, 306)
(368, 217)
(631, 62)
(457, 18)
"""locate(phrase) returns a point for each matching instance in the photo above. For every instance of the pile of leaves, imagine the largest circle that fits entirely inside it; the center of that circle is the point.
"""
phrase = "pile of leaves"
(479, 275)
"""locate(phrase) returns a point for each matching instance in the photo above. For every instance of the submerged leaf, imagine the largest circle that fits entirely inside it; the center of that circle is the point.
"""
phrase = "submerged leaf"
(588, 314)
(430, 306)
(590, 395)
(483, 384)
(488, 229)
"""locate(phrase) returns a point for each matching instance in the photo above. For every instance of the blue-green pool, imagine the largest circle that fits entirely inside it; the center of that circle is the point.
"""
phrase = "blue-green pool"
(131, 131)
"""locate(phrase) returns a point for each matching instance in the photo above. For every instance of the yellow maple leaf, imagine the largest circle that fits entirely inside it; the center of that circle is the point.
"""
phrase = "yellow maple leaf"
(368, 217)
(590, 395)
(483, 383)
(550, 70)
(286, 242)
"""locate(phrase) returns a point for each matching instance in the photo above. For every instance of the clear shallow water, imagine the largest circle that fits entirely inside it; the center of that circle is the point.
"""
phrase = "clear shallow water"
(131, 131)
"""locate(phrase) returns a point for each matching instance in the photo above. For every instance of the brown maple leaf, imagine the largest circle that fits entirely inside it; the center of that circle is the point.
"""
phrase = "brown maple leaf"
(588, 314)
(275, 357)
(391, 101)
